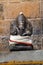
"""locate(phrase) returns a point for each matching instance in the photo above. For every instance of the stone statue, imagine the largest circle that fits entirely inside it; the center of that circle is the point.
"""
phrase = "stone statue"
(21, 26)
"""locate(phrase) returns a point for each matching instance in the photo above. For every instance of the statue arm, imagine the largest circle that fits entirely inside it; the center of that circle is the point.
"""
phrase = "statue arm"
(13, 29)
(29, 30)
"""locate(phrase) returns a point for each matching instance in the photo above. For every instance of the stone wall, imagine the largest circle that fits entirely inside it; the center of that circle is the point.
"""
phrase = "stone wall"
(9, 9)
(32, 9)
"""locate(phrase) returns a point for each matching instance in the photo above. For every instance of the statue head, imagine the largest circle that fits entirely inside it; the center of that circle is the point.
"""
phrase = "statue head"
(21, 20)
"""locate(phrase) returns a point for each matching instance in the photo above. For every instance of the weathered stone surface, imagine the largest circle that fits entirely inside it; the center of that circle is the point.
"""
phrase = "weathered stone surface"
(11, 9)
(4, 27)
(30, 9)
